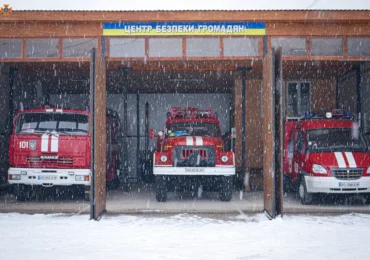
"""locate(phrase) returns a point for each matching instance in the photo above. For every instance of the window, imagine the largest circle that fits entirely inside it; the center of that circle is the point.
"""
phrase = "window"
(359, 46)
(238, 46)
(335, 139)
(326, 47)
(290, 46)
(165, 47)
(202, 47)
(291, 147)
(298, 98)
(10, 48)
(126, 47)
(78, 47)
(64, 123)
(192, 129)
(42, 48)
(299, 146)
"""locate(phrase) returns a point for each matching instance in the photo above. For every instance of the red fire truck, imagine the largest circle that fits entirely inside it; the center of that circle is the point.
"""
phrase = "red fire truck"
(190, 153)
(51, 147)
(325, 153)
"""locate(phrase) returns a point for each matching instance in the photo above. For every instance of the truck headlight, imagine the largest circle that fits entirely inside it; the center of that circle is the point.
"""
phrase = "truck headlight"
(164, 158)
(79, 177)
(224, 158)
(368, 170)
(15, 177)
(317, 168)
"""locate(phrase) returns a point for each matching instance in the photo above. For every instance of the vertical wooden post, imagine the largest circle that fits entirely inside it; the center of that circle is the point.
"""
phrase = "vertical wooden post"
(273, 133)
(98, 132)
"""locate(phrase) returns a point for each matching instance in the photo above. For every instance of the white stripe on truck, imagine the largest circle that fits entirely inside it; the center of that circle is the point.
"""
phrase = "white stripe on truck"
(199, 140)
(54, 143)
(351, 160)
(189, 140)
(45, 143)
(340, 160)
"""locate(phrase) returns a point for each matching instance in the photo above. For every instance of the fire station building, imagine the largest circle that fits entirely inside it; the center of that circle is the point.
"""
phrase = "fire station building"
(149, 61)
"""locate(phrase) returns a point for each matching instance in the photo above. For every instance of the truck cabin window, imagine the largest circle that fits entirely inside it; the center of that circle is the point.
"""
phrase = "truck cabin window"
(192, 129)
(63, 123)
(336, 139)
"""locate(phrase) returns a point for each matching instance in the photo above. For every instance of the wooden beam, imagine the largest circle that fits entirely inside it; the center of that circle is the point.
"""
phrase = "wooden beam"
(155, 16)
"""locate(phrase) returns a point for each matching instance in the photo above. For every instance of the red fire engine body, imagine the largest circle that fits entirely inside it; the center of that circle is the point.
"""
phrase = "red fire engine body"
(51, 147)
(326, 154)
(192, 146)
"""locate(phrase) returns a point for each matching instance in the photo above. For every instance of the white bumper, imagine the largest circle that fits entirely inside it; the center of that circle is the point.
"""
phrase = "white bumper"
(207, 171)
(333, 185)
(50, 177)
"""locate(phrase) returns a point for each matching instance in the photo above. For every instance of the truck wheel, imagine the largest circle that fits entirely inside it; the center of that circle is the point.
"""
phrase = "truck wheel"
(226, 192)
(21, 192)
(306, 197)
(161, 188)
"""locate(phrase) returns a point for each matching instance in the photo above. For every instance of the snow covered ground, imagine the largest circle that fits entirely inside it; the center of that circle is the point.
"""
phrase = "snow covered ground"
(184, 237)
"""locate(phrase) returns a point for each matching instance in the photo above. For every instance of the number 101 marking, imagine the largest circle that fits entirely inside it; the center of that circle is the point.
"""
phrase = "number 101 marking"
(23, 144)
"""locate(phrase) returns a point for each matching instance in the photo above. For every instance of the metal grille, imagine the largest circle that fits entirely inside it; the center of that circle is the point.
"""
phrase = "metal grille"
(194, 156)
(61, 160)
(187, 152)
(347, 173)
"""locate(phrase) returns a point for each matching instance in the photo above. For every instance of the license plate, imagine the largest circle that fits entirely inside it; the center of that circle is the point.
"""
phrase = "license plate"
(190, 170)
(47, 178)
(349, 184)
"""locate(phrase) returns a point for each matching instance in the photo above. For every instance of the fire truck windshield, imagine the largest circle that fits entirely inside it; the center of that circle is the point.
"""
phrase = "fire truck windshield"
(61, 123)
(193, 128)
(335, 139)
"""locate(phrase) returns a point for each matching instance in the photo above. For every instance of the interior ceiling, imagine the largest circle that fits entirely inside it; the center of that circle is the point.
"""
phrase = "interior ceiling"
(169, 77)
(180, 81)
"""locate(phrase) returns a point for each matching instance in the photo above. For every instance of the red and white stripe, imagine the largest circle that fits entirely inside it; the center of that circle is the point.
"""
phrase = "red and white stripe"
(197, 141)
(49, 143)
(345, 160)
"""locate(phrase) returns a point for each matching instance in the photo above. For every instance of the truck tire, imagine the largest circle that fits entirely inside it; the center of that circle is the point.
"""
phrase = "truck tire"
(22, 192)
(161, 188)
(306, 197)
(226, 190)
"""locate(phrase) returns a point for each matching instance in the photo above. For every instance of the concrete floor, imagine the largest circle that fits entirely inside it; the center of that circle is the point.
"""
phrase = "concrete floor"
(141, 200)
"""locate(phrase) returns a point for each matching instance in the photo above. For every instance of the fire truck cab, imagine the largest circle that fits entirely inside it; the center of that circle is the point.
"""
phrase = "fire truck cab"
(325, 153)
(51, 147)
(190, 153)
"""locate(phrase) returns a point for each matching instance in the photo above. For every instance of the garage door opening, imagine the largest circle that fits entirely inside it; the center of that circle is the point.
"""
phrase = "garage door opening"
(311, 90)
(147, 96)
(45, 86)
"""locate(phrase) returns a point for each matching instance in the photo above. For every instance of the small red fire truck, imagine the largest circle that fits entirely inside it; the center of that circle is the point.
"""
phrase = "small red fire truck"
(325, 153)
(51, 147)
(190, 154)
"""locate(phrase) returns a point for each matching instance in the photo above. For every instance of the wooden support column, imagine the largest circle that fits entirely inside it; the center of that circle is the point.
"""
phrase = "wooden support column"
(237, 101)
(99, 147)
